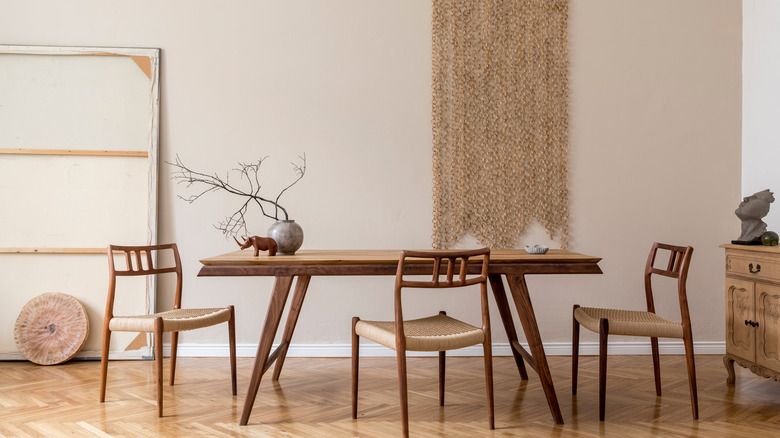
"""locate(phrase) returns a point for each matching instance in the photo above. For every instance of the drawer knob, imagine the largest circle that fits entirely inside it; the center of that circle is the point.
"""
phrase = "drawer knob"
(758, 268)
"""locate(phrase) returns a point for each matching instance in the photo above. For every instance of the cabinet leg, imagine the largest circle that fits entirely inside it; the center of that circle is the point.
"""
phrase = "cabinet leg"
(728, 362)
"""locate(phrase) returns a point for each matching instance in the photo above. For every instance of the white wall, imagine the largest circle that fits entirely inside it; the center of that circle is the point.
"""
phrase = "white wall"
(655, 139)
(761, 102)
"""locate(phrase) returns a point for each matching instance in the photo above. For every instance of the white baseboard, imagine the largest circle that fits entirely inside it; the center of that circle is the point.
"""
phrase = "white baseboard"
(375, 350)
(499, 349)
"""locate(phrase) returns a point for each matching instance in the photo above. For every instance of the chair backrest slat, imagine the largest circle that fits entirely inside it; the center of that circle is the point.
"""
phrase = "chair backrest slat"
(463, 268)
(436, 269)
(128, 259)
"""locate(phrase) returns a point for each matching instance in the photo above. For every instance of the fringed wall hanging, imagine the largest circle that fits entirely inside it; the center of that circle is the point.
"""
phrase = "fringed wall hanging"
(500, 120)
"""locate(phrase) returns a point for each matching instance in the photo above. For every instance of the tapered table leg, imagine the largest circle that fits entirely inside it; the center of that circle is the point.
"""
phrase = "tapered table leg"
(273, 316)
(301, 285)
(497, 285)
(525, 310)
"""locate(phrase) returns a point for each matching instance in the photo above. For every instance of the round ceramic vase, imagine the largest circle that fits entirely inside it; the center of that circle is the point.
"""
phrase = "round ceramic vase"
(288, 236)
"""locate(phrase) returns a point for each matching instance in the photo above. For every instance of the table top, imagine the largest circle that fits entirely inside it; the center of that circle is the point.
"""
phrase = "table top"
(756, 248)
(383, 262)
(382, 256)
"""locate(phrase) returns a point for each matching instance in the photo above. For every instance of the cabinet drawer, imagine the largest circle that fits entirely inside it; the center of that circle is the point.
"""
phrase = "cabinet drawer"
(760, 268)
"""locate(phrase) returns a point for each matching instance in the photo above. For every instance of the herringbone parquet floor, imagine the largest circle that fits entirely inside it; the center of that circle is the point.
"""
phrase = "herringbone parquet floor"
(312, 399)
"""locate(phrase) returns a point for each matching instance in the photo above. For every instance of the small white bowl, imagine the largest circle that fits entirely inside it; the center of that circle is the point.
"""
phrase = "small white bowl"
(536, 249)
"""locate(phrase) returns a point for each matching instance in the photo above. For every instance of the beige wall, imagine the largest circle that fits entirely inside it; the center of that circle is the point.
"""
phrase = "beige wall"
(655, 138)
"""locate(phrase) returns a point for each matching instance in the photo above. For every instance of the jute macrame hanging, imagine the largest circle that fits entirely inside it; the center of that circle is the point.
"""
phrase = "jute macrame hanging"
(500, 120)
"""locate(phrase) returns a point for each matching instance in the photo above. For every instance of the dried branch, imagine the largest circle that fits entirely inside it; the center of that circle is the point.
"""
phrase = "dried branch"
(299, 170)
(248, 172)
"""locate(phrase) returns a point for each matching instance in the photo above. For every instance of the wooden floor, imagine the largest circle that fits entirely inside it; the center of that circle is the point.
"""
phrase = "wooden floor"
(312, 399)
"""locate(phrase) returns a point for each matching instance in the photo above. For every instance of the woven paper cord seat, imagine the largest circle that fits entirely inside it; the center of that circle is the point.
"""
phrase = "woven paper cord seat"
(629, 322)
(434, 333)
(173, 320)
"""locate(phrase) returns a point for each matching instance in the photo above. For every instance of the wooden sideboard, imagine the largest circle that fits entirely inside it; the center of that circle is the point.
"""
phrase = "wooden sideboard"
(753, 310)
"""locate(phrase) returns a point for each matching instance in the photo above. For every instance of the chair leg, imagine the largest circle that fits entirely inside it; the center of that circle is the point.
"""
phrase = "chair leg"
(232, 341)
(442, 363)
(688, 342)
(174, 350)
(488, 353)
(603, 334)
(104, 363)
(402, 389)
(575, 350)
(158, 361)
(355, 360)
(656, 365)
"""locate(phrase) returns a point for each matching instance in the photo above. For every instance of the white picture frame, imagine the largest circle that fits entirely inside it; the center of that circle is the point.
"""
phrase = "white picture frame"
(79, 141)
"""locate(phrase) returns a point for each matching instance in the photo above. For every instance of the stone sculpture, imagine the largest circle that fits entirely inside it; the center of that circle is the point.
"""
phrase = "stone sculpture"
(750, 211)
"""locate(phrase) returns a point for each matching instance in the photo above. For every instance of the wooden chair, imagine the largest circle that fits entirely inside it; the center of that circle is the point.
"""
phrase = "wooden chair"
(434, 333)
(140, 260)
(642, 323)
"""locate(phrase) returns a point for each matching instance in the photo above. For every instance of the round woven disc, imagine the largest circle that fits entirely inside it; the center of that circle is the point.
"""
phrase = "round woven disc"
(51, 329)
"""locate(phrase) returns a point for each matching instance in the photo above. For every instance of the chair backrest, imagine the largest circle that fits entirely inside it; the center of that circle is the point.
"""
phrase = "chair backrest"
(676, 267)
(456, 262)
(450, 269)
(141, 260)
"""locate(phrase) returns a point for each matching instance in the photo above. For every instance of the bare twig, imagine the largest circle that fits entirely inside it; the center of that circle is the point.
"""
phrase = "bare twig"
(206, 183)
(299, 170)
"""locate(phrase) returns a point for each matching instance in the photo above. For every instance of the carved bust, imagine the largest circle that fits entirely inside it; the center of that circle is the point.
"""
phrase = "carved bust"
(750, 211)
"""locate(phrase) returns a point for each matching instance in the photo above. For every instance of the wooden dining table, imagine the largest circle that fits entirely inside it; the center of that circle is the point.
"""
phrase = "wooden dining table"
(512, 265)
